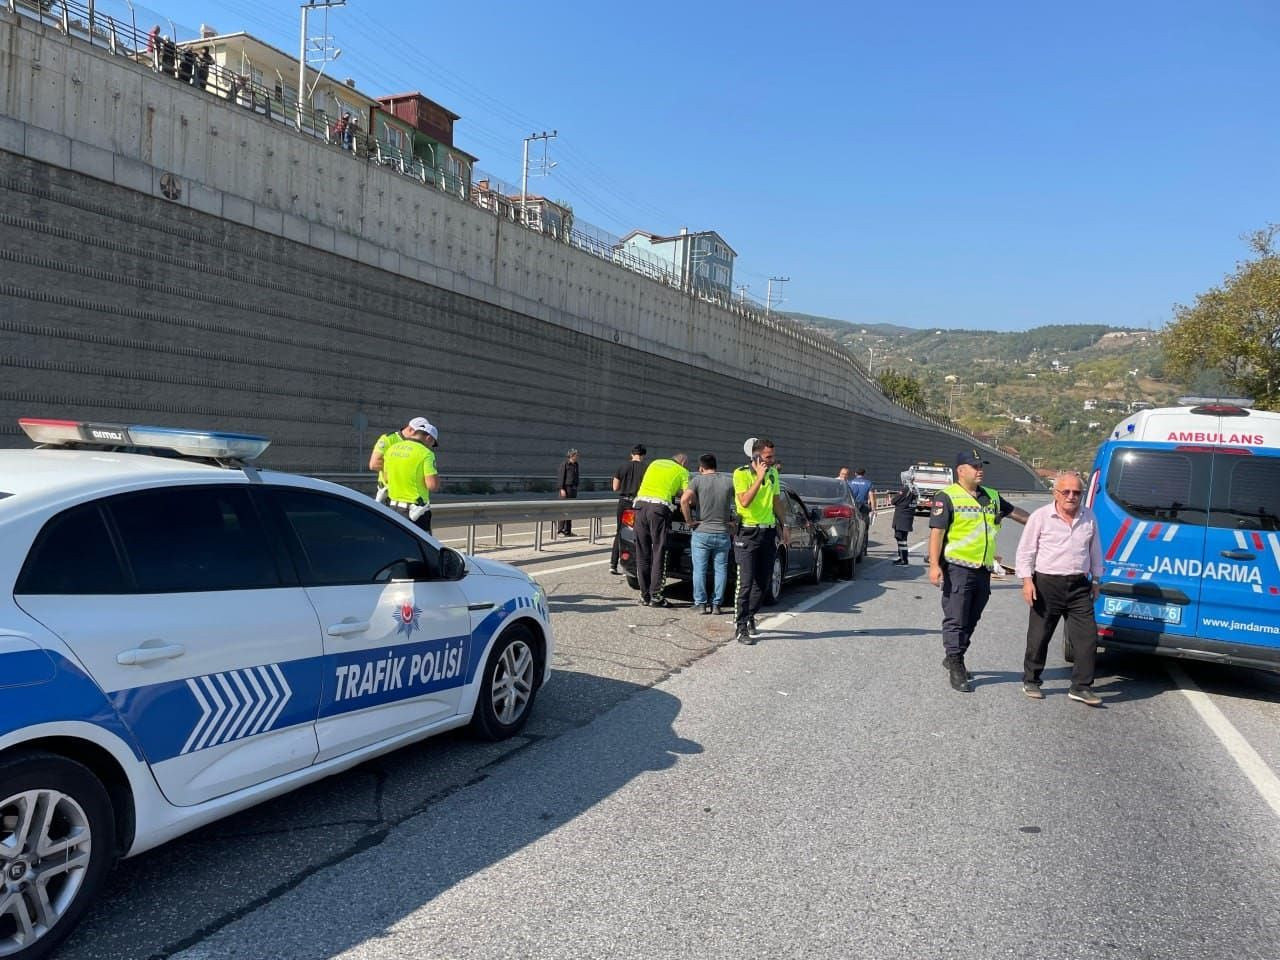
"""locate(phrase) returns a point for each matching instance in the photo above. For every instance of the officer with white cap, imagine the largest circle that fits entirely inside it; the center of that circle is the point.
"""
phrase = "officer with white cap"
(410, 470)
(384, 443)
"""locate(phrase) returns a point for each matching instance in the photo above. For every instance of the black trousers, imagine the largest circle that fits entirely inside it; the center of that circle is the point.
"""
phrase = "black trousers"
(965, 592)
(565, 526)
(1068, 596)
(422, 523)
(653, 520)
(754, 548)
(624, 503)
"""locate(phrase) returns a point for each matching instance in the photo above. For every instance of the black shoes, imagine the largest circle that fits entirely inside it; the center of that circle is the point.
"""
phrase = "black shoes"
(706, 609)
(615, 571)
(645, 601)
(743, 635)
(900, 562)
(1084, 695)
(1032, 691)
(958, 675)
(946, 662)
(659, 602)
(752, 628)
(717, 610)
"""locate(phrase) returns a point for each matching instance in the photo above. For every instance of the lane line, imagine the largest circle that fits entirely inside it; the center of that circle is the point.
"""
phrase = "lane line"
(577, 566)
(1262, 777)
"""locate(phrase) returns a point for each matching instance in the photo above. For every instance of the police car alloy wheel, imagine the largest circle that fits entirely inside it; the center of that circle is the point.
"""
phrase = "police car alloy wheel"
(57, 841)
(509, 686)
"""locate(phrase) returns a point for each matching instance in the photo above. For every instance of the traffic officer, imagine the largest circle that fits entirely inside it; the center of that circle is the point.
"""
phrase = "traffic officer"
(410, 468)
(386, 441)
(962, 549)
(761, 514)
(663, 481)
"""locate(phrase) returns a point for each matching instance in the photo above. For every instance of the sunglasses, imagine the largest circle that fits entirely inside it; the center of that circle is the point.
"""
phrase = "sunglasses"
(1070, 493)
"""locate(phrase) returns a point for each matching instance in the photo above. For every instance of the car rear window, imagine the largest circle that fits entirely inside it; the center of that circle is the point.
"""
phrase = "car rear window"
(1171, 486)
(1246, 492)
(817, 488)
(73, 556)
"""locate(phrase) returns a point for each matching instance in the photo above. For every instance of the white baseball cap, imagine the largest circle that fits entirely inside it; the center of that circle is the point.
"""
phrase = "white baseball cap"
(423, 425)
(749, 446)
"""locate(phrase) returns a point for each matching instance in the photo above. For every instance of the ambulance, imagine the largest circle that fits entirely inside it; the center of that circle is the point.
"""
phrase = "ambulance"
(1187, 501)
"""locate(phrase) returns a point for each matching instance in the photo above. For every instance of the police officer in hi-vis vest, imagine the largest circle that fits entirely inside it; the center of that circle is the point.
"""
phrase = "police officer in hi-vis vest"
(761, 516)
(386, 442)
(962, 550)
(410, 467)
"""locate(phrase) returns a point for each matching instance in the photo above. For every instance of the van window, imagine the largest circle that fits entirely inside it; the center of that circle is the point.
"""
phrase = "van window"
(1170, 486)
(1246, 492)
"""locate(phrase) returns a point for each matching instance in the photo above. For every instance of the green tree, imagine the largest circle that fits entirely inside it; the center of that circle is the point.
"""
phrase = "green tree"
(902, 387)
(1233, 330)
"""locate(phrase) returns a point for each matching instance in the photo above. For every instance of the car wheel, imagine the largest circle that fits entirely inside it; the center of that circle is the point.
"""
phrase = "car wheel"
(778, 575)
(632, 582)
(507, 687)
(57, 842)
(819, 565)
(1068, 654)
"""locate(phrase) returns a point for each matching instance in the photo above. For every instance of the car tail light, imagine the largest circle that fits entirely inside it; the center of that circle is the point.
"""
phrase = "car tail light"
(628, 517)
(1106, 632)
(841, 512)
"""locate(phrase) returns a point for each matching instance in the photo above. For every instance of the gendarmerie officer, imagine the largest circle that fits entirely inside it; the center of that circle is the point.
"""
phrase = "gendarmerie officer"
(410, 468)
(962, 550)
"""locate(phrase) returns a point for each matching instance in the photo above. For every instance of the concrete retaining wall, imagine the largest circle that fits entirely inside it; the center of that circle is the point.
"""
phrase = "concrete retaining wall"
(286, 288)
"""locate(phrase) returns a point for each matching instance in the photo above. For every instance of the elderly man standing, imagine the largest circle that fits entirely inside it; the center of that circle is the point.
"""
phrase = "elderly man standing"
(1060, 563)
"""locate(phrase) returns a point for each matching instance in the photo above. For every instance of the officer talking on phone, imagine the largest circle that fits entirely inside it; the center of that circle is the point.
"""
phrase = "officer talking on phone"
(755, 545)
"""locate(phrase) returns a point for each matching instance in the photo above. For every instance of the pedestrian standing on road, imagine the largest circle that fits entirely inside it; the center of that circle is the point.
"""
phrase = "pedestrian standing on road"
(567, 481)
(761, 515)
(1060, 563)
(626, 481)
(863, 495)
(410, 468)
(712, 493)
(904, 518)
(663, 481)
(962, 548)
(384, 443)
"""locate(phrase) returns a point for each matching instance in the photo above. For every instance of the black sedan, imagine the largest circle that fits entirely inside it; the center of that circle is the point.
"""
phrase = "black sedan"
(832, 508)
(805, 557)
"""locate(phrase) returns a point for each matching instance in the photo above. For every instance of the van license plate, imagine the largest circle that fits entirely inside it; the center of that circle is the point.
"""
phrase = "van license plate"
(1142, 610)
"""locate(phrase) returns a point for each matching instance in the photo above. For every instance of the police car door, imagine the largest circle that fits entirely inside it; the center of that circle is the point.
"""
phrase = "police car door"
(1240, 594)
(395, 647)
(176, 604)
(1151, 522)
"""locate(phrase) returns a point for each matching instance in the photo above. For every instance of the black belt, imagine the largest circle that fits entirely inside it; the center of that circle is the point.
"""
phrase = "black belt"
(1063, 576)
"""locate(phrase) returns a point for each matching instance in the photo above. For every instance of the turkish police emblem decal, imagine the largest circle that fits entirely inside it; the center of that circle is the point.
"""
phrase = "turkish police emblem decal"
(407, 616)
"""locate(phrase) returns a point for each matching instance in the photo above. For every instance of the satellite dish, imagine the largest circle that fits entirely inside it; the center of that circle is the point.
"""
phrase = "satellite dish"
(746, 447)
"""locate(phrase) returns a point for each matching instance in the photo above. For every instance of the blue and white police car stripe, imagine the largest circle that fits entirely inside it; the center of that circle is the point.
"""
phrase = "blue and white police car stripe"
(236, 704)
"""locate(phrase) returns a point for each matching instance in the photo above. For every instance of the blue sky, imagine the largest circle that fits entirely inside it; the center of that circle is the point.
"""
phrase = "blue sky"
(991, 165)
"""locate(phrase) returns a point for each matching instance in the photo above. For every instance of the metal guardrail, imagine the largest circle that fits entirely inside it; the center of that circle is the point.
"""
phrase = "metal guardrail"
(496, 513)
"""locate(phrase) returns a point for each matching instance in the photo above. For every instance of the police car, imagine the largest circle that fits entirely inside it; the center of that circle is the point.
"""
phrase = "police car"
(183, 635)
(1188, 506)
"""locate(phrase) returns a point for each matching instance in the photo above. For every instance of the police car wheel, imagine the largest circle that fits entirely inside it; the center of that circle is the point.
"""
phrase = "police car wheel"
(508, 686)
(777, 576)
(57, 842)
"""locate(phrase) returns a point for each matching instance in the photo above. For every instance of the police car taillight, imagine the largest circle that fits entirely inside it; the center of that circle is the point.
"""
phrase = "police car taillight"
(208, 444)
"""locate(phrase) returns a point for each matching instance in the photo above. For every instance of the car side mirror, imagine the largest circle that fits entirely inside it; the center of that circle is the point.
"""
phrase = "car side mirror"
(815, 514)
(453, 566)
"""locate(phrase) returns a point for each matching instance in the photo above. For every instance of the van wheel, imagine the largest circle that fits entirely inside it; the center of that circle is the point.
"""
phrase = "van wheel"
(507, 687)
(57, 842)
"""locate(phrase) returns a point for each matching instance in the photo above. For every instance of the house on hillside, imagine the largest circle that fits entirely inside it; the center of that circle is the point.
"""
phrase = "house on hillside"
(432, 129)
(701, 262)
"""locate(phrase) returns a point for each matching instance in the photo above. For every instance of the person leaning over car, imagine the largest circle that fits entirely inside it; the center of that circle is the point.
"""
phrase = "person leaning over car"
(663, 481)
(712, 531)
(1060, 563)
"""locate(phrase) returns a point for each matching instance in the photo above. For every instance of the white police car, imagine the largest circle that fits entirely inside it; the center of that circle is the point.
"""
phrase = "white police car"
(183, 636)
(1188, 506)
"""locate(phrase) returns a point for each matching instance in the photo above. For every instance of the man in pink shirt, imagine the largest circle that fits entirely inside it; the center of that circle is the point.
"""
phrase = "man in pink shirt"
(1060, 563)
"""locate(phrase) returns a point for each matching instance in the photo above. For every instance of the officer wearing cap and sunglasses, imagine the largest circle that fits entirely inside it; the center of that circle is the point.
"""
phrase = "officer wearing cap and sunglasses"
(386, 442)
(962, 551)
(410, 469)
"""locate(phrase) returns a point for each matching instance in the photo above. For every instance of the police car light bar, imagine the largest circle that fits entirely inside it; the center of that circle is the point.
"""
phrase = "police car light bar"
(210, 444)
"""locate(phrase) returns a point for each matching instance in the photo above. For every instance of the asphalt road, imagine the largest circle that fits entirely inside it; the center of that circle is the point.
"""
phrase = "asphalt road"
(823, 793)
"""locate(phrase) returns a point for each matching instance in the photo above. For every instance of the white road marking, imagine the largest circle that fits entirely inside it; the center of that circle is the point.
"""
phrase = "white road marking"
(1262, 777)
(575, 566)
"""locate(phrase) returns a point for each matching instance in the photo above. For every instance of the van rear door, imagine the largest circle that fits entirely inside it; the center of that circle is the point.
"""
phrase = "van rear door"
(1240, 581)
(1151, 512)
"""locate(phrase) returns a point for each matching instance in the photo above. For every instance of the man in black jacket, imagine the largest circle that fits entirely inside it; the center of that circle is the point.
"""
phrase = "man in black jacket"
(568, 483)
(626, 481)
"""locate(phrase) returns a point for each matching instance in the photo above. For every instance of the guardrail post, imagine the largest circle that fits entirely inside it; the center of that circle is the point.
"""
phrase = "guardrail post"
(471, 537)
(497, 534)
(537, 535)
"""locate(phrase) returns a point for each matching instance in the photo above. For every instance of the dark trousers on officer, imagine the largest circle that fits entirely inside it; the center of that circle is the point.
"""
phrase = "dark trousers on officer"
(1069, 596)
(754, 548)
(624, 503)
(653, 520)
(422, 523)
(965, 592)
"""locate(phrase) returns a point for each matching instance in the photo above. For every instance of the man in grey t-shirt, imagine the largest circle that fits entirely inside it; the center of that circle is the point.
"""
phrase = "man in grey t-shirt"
(712, 530)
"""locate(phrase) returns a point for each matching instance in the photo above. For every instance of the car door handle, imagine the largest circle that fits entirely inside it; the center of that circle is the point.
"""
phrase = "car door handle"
(348, 627)
(1239, 555)
(140, 655)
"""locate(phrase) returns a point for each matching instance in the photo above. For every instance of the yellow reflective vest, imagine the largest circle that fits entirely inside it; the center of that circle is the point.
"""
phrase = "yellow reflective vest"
(971, 538)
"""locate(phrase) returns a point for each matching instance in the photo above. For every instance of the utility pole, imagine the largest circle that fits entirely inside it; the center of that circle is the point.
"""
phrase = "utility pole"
(302, 51)
(768, 298)
(524, 167)
(742, 294)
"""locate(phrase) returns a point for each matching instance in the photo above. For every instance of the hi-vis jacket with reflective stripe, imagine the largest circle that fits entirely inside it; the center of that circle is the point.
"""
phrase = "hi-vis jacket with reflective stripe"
(971, 538)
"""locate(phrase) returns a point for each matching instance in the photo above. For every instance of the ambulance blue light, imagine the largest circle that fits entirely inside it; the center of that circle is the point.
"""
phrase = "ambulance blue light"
(208, 444)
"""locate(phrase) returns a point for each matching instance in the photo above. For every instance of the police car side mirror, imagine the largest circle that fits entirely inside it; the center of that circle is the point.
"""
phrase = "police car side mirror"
(452, 565)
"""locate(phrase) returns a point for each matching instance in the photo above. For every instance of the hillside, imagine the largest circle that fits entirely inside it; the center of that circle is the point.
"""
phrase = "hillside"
(1051, 393)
